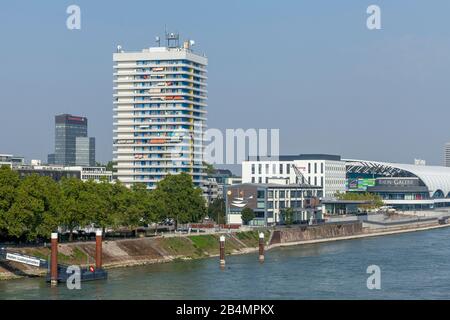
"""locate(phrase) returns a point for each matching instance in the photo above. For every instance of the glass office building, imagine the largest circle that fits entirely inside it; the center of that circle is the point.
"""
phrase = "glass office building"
(85, 152)
(68, 151)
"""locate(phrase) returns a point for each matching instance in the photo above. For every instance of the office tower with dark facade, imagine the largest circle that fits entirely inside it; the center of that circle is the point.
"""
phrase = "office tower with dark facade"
(72, 145)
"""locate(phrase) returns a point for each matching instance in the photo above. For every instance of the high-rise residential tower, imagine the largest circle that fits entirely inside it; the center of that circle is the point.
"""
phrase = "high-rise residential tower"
(447, 154)
(159, 113)
(71, 142)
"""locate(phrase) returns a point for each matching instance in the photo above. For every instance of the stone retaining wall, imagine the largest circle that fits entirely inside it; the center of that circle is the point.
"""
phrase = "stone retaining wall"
(305, 233)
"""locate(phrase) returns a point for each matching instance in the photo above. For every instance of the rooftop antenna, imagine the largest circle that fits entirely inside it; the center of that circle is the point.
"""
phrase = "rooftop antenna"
(173, 40)
(158, 41)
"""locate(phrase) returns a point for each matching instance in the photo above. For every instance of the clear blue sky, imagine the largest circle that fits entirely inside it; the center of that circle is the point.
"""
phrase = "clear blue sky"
(310, 68)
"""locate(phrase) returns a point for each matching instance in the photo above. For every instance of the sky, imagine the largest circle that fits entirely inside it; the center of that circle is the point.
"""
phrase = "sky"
(310, 68)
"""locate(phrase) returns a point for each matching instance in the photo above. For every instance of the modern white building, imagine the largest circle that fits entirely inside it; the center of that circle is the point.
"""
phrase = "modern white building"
(323, 170)
(10, 160)
(97, 174)
(56, 172)
(447, 154)
(159, 113)
(402, 186)
(270, 201)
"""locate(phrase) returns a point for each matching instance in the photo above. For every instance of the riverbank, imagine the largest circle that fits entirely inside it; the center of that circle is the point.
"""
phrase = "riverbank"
(134, 252)
(142, 251)
(365, 234)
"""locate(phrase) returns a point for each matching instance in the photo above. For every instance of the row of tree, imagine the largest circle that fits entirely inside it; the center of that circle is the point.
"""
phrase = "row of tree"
(33, 207)
(372, 201)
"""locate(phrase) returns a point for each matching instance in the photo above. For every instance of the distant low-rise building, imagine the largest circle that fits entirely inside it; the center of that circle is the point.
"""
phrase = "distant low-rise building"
(269, 202)
(56, 173)
(97, 174)
(10, 160)
(323, 170)
(93, 173)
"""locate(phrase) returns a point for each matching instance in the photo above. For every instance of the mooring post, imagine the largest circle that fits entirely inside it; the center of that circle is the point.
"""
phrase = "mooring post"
(222, 250)
(261, 247)
(54, 260)
(98, 249)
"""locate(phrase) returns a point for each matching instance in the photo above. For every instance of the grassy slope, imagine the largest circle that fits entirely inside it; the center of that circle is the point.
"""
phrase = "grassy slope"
(190, 247)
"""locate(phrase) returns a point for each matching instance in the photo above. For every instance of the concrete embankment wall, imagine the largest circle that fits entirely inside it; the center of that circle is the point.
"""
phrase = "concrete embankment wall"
(307, 233)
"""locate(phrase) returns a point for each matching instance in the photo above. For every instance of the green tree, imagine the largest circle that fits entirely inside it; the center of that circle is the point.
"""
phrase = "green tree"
(135, 206)
(179, 199)
(247, 215)
(288, 215)
(9, 182)
(374, 200)
(210, 170)
(74, 212)
(34, 213)
(109, 166)
(216, 210)
(105, 203)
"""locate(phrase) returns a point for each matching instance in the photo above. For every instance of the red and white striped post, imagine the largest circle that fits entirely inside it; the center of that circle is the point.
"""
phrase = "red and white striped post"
(261, 247)
(98, 249)
(54, 260)
(222, 251)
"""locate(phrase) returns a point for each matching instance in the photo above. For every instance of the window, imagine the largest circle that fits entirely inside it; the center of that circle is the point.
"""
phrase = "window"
(261, 194)
(282, 195)
(259, 180)
(309, 167)
(253, 179)
(253, 168)
(315, 167)
(321, 181)
(288, 169)
(274, 168)
(267, 168)
(281, 168)
(315, 181)
(321, 168)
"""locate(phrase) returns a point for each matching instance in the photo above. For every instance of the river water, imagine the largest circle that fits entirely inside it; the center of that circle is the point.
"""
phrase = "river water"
(414, 265)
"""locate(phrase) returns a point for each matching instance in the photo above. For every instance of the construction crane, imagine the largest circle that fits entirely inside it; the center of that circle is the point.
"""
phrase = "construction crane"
(301, 181)
(300, 177)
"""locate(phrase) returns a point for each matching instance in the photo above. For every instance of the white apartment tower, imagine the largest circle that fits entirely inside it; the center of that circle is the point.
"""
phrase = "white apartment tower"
(447, 155)
(159, 113)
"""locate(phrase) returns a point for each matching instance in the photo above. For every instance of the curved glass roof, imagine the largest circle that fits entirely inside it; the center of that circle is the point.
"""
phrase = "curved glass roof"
(434, 177)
